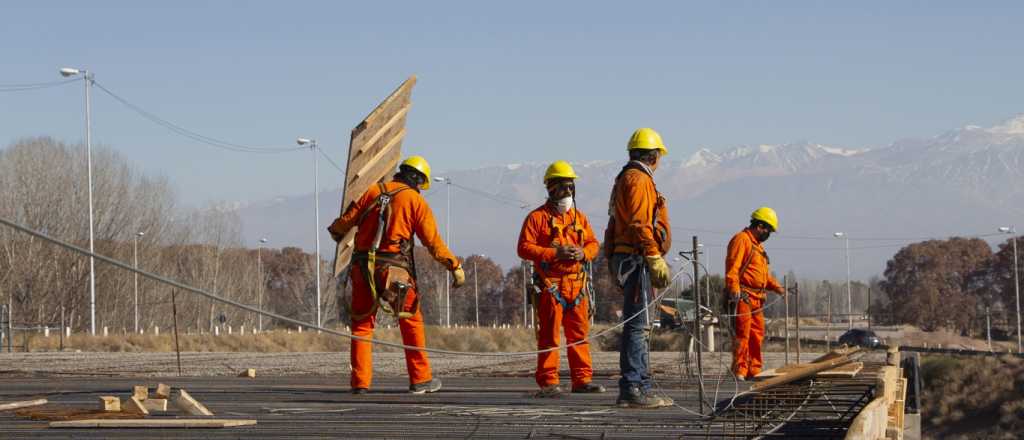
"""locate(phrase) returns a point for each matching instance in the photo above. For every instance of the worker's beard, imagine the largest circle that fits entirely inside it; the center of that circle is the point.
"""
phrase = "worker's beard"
(762, 236)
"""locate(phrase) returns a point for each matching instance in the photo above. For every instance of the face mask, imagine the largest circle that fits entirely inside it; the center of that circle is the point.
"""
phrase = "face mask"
(763, 236)
(563, 204)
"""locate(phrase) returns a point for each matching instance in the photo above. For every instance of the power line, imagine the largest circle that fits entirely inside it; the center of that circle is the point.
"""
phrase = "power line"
(333, 163)
(213, 142)
(494, 197)
(35, 86)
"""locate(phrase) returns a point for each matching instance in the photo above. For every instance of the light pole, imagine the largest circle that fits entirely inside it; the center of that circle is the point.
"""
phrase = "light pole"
(316, 216)
(138, 235)
(89, 78)
(849, 297)
(476, 289)
(448, 241)
(1016, 277)
(259, 290)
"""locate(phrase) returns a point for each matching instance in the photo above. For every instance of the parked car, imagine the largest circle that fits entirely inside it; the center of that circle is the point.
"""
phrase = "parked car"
(860, 337)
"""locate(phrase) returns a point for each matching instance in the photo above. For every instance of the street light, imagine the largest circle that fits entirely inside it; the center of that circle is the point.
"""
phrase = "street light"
(136, 238)
(476, 289)
(259, 276)
(89, 78)
(448, 241)
(1016, 277)
(316, 216)
(849, 297)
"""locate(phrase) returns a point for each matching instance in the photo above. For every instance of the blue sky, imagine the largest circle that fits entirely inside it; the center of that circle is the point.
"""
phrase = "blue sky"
(501, 83)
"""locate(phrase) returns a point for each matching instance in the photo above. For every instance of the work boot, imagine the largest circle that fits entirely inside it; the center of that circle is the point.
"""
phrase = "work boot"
(632, 397)
(549, 391)
(360, 391)
(588, 387)
(425, 387)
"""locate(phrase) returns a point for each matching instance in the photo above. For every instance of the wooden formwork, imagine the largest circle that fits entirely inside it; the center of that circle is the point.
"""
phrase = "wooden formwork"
(375, 147)
(882, 418)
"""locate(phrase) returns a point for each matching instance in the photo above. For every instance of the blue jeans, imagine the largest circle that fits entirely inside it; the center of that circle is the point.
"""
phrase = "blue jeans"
(633, 357)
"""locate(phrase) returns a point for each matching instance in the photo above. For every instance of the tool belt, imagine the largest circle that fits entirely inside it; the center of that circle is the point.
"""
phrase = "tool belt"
(550, 284)
(399, 280)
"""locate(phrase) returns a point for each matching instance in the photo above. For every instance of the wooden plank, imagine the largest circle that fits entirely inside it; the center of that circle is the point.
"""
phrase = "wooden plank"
(140, 392)
(154, 423)
(397, 118)
(374, 150)
(248, 373)
(155, 404)
(186, 403)
(849, 370)
(23, 404)
(163, 391)
(373, 166)
(798, 374)
(134, 405)
(382, 167)
(110, 403)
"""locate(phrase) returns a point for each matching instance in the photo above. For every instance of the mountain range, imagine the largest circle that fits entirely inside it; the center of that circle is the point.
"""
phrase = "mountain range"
(964, 182)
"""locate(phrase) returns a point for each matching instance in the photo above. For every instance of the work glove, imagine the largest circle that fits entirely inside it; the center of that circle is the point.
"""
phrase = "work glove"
(571, 253)
(458, 277)
(659, 271)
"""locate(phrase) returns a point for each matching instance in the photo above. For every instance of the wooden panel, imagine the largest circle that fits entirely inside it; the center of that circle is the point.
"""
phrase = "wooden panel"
(375, 147)
(186, 403)
(153, 423)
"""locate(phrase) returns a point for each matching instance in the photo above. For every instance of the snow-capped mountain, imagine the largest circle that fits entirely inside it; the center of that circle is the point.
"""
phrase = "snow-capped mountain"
(966, 181)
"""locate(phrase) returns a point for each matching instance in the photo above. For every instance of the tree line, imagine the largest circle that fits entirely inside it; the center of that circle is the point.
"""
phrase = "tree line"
(934, 284)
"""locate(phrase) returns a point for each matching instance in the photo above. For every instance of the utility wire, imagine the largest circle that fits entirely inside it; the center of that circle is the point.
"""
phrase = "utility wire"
(213, 142)
(236, 304)
(333, 163)
(35, 86)
(494, 197)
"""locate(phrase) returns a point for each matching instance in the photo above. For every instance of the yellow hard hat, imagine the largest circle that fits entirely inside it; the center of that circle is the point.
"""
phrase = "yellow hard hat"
(767, 215)
(559, 170)
(420, 164)
(646, 139)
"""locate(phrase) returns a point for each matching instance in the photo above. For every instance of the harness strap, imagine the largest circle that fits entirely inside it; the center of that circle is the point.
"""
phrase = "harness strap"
(383, 204)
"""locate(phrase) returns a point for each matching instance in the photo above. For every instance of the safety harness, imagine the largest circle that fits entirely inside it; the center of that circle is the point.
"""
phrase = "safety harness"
(610, 245)
(397, 283)
(542, 282)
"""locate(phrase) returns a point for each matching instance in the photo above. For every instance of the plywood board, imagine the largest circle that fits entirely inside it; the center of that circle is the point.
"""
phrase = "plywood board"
(375, 147)
(153, 423)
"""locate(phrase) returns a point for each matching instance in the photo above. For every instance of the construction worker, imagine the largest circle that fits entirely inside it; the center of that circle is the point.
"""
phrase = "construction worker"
(636, 239)
(387, 215)
(558, 239)
(747, 281)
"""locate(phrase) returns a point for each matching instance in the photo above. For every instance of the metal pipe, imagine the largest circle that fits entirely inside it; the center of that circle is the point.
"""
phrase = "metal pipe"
(316, 230)
(697, 319)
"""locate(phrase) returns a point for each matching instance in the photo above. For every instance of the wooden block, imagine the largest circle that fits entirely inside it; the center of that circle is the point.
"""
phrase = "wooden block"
(134, 405)
(23, 404)
(153, 423)
(155, 404)
(186, 403)
(140, 392)
(111, 403)
(249, 372)
(163, 391)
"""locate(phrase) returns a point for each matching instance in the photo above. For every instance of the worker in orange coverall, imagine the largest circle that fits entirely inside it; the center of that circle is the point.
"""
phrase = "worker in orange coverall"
(747, 280)
(384, 242)
(558, 239)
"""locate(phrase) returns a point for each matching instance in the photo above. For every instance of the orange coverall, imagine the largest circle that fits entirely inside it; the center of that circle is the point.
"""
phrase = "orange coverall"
(542, 230)
(755, 280)
(631, 227)
(410, 214)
